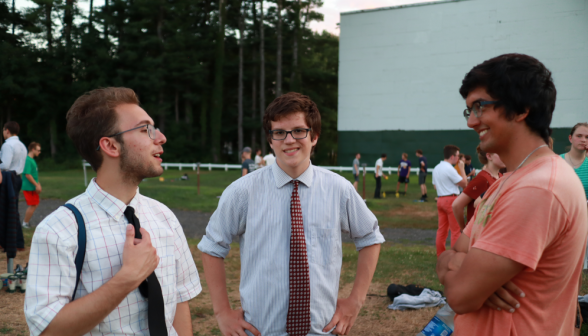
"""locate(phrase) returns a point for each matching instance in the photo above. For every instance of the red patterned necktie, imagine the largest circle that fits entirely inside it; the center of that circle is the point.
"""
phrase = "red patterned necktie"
(298, 321)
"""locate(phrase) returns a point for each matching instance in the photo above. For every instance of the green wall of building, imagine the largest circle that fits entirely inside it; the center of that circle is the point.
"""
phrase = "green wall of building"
(372, 144)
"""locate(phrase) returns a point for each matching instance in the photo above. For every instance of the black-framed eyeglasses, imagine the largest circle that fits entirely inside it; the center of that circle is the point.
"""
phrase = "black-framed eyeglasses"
(151, 131)
(477, 108)
(298, 133)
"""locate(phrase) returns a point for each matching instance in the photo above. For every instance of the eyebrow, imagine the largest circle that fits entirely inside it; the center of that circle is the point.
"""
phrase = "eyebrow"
(293, 128)
(143, 122)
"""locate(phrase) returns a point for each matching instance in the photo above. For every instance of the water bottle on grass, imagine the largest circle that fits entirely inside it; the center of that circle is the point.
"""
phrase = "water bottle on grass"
(441, 324)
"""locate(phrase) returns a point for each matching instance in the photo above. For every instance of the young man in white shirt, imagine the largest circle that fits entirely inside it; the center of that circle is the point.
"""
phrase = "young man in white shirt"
(269, 159)
(259, 161)
(446, 181)
(378, 175)
(289, 219)
(130, 237)
(13, 154)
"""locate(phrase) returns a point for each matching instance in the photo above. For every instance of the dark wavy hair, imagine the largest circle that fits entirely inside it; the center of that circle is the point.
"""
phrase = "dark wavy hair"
(518, 82)
(290, 103)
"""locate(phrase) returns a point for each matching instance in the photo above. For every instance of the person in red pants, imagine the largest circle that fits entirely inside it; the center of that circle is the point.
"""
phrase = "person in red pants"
(446, 181)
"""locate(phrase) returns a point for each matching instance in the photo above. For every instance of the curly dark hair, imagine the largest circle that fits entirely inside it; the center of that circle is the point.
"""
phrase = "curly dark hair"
(519, 83)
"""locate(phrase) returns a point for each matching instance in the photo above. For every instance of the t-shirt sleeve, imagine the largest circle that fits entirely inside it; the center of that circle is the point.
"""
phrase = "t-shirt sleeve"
(476, 187)
(226, 222)
(358, 221)
(521, 225)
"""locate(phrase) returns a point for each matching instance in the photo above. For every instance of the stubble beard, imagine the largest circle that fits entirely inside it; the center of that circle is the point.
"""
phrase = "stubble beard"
(133, 170)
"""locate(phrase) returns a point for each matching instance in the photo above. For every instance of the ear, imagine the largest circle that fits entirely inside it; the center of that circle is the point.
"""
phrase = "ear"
(314, 141)
(521, 117)
(110, 147)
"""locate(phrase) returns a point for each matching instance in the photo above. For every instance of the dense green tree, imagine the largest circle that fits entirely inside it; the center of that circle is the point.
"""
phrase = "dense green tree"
(203, 69)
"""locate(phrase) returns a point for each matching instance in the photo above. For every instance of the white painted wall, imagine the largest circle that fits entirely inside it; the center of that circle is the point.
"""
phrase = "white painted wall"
(401, 68)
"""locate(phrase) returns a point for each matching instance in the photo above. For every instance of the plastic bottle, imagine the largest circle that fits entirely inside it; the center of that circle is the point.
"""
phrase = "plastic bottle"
(441, 324)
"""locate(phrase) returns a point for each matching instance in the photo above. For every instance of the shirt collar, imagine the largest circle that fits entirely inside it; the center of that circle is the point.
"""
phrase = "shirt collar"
(281, 178)
(13, 138)
(110, 204)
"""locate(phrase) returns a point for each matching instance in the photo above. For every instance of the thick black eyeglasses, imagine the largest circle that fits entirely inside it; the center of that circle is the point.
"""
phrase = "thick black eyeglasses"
(477, 108)
(298, 133)
(151, 130)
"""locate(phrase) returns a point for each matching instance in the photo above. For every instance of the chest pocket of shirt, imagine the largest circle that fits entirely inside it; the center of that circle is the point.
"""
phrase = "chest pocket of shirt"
(323, 249)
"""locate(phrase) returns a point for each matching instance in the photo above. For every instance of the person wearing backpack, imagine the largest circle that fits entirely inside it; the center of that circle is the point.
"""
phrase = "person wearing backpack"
(137, 272)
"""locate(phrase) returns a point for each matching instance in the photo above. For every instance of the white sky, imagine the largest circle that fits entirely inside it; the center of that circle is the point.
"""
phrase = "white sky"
(330, 9)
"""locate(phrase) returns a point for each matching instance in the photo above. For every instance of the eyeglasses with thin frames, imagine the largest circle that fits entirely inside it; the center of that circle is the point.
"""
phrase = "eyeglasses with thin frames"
(151, 132)
(477, 108)
(298, 134)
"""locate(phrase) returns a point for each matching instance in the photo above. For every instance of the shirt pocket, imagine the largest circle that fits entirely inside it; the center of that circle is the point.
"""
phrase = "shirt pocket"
(323, 246)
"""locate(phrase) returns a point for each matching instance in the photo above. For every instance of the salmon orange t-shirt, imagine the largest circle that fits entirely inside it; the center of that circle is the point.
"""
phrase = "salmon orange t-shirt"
(538, 219)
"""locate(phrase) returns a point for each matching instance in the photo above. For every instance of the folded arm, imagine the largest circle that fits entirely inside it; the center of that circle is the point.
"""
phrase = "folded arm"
(472, 277)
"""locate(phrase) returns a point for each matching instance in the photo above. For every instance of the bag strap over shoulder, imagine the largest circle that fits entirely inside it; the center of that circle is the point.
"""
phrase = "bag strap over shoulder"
(81, 244)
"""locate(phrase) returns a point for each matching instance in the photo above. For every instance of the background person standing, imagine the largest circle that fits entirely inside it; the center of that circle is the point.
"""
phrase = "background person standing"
(31, 188)
(576, 158)
(13, 154)
(403, 173)
(378, 175)
(259, 161)
(422, 174)
(248, 165)
(487, 176)
(269, 159)
(356, 170)
(446, 180)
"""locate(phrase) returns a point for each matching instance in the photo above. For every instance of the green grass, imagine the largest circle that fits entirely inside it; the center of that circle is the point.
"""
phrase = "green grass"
(398, 263)
(394, 212)
(172, 191)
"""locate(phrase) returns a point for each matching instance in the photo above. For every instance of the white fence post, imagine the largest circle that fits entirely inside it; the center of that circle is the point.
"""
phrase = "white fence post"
(85, 175)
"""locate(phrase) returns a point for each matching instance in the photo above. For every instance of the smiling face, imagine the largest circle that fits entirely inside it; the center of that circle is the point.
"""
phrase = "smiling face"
(292, 155)
(494, 130)
(139, 154)
(579, 139)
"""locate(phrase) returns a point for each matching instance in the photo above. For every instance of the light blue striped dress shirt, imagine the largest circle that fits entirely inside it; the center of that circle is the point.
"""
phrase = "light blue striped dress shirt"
(256, 210)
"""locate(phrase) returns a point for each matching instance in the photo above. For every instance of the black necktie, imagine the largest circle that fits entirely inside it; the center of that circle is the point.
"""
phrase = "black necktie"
(150, 288)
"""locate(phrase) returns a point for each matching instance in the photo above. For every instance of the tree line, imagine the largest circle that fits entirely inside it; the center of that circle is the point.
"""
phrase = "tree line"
(203, 69)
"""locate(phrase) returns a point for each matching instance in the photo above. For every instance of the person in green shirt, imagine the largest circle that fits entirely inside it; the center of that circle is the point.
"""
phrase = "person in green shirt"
(576, 157)
(30, 184)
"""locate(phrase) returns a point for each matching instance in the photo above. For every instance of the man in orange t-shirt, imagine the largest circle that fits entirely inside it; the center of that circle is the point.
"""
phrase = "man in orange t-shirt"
(527, 237)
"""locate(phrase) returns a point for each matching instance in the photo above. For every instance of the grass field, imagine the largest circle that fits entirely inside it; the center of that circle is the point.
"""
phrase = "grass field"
(395, 212)
(398, 263)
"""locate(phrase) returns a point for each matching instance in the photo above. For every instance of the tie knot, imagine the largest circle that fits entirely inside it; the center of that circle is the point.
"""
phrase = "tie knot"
(129, 212)
(295, 182)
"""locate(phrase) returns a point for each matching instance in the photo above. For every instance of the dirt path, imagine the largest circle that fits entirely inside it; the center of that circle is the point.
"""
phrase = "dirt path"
(194, 224)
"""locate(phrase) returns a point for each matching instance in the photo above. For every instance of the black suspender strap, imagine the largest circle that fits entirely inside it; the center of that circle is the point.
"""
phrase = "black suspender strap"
(81, 244)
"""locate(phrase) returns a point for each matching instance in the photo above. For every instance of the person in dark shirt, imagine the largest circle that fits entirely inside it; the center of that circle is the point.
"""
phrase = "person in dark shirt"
(469, 169)
(248, 165)
(422, 174)
(403, 173)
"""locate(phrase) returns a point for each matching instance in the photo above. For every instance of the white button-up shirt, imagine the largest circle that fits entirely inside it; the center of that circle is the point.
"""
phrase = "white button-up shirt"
(256, 209)
(13, 155)
(445, 179)
(52, 271)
